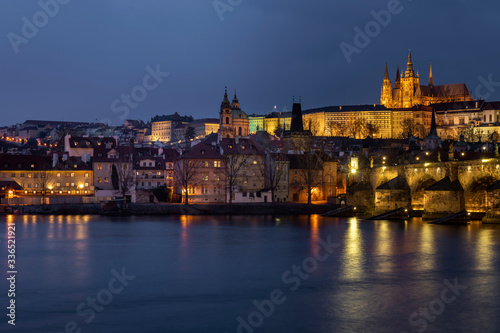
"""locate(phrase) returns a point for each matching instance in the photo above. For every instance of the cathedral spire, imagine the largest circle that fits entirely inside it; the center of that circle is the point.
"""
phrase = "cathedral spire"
(386, 76)
(431, 80)
(409, 67)
(398, 79)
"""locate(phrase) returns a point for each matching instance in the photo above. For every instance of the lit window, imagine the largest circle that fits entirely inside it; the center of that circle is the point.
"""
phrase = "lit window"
(99, 166)
(87, 175)
(72, 174)
(99, 179)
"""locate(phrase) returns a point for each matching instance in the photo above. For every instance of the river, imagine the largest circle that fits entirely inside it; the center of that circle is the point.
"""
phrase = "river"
(250, 274)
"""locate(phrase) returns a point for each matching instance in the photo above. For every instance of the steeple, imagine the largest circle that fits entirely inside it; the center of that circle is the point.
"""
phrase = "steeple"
(386, 76)
(409, 67)
(236, 104)
(225, 102)
(431, 80)
(398, 79)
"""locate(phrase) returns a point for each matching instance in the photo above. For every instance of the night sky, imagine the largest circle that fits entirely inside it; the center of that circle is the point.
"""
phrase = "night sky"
(91, 52)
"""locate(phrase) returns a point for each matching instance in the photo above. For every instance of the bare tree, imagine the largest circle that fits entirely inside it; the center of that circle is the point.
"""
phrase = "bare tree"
(185, 171)
(309, 167)
(469, 134)
(338, 128)
(356, 127)
(234, 167)
(409, 128)
(371, 129)
(311, 125)
(44, 181)
(126, 177)
(274, 171)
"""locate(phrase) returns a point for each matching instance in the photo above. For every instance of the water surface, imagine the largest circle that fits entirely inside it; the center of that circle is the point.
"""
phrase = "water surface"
(203, 274)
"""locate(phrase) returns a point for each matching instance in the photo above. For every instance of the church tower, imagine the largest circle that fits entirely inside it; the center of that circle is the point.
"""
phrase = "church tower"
(226, 118)
(409, 84)
(397, 83)
(386, 93)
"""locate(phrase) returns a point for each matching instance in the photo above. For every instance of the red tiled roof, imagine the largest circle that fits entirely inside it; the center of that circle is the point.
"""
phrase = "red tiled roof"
(23, 162)
(243, 147)
(202, 151)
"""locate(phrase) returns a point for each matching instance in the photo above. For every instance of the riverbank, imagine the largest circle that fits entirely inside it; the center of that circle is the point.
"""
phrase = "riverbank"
(175, 209)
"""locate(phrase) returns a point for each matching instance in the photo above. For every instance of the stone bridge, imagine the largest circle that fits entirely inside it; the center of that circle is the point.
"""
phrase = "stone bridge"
(436, 188)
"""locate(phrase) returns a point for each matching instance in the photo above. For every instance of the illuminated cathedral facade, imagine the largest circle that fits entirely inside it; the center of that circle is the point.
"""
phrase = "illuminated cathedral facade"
(408, 92)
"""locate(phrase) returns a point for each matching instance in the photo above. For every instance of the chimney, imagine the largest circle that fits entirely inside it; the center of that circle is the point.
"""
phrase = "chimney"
(65, 157)
(55, 159)
(66, 142)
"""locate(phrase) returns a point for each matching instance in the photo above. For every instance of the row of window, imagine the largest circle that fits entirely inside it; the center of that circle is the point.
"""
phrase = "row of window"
(204, 177)
(42, 175)
(204, 190)
(35, 185)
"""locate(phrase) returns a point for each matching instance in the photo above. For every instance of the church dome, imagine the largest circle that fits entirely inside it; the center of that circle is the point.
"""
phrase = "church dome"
(239, 114)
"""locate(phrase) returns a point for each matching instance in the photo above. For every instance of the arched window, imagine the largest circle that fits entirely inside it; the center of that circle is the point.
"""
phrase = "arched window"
(239, 131)
(227, 120)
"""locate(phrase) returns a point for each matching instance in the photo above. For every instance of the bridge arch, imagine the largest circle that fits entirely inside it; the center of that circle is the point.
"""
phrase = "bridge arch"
(475, 194)
(417, 191)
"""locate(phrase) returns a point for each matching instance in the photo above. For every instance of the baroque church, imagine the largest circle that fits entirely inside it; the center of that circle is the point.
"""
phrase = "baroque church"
(233, 121)
(408, 91)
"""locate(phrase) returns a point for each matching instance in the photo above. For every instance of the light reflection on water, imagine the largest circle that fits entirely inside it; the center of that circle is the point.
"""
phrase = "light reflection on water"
(199, 273)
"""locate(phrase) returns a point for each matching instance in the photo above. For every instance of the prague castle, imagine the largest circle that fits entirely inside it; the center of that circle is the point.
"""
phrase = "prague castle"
(408, 92)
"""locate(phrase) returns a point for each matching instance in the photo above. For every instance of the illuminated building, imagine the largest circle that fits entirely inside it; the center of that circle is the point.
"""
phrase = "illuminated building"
(408, 91)
(163, 127)
(233, 121)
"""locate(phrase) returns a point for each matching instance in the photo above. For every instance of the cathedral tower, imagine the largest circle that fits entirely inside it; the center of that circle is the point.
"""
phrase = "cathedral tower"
(408, 92)
(386, 93)
(226, 118)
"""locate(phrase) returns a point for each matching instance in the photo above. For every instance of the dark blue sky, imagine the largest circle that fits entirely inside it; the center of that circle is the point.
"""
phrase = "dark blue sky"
(93, 51)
